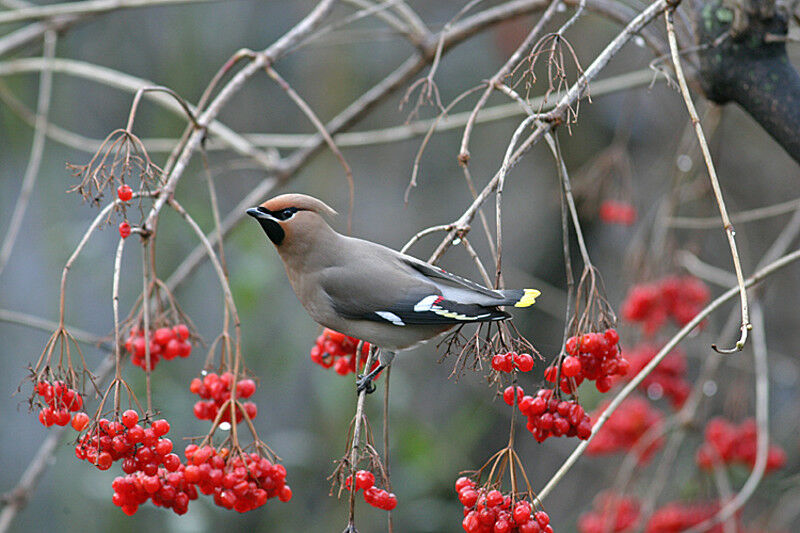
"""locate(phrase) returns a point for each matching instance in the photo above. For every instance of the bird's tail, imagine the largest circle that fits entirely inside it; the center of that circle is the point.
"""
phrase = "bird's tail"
(520, 297)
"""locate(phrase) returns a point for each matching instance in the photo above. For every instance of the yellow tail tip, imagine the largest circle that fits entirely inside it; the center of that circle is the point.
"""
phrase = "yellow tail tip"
(528, 298)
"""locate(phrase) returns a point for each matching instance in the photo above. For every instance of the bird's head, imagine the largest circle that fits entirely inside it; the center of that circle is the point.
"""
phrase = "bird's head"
(291, 217)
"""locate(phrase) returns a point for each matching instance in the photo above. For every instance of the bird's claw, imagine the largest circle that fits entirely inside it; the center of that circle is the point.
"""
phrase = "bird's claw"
(364, 383)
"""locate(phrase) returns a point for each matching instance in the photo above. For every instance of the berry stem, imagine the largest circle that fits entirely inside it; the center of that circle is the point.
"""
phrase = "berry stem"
(354, 446)
(115, 307)
(146, 323)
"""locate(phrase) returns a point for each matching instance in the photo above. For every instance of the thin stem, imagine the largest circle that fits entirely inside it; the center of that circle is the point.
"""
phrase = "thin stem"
(309, 113)
(357, 437)
(386, 374)
(37, 150)
(712, 174)
(762, 424)
(499, 76)
(81, 8)
(115, 307)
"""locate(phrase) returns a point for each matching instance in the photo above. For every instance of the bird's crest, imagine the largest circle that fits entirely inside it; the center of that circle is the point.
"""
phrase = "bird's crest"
(299, 201)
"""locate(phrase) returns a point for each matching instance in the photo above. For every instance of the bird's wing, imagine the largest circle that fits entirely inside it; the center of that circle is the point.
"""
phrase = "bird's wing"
(462, 290)
(380, 286)
(439, 277)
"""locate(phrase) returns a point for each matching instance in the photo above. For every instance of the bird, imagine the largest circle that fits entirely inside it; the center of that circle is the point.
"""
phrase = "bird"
(371, 292)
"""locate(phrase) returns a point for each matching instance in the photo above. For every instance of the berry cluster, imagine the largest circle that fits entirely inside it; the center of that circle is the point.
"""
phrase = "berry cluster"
(667, 379)
(592, 356)
(506, 362)
(216, 390)
(549, 417)
(337, 350)
(489, 511)
(168, 343)
(611, 513)
(140, 449)
(60, 400)
(242, 482)
(168, 489)
(678, 516)
(726, 443)
(376, 497)
(652, 304)
(617, 212)
(124, 230)
(633, 418)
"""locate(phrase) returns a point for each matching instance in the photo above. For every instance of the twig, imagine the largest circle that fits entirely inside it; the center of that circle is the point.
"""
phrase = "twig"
(24, 319)
(556, 115)
(386, 374)
(504, 168)
(762, 425)
(37, 149)
(750, 215)
(128, 83)
(463, 154)
(354, 447)
(306, 109)
(712, 173)
(680, 335)
(260, 61)
(82, 8)
(613, 84)
(115, 310)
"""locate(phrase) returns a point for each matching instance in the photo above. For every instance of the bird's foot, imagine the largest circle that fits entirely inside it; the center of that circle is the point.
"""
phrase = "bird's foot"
(364, 382)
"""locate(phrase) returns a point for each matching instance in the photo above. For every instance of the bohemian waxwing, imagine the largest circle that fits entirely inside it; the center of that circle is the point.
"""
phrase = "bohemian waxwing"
(368, 291)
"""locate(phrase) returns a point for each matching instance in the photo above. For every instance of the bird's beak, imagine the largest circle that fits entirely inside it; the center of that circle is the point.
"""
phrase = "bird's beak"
(258, 214)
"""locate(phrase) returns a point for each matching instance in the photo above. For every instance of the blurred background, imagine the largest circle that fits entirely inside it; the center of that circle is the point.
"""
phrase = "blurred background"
(440, 424)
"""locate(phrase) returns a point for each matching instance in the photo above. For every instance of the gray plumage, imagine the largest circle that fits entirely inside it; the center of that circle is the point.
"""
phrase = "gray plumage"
(369, 291)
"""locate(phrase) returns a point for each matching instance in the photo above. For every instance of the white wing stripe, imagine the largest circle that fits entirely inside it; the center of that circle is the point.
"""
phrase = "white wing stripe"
(391, 317)
(425, 304)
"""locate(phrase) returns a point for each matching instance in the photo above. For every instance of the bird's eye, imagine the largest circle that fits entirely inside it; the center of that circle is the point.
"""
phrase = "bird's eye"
(286, 214)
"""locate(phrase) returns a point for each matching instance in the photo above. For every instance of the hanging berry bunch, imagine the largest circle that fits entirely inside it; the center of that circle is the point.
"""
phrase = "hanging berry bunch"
(610, 513)
(727, 443)
(487, 509)
(651, 305)
(216, 390)
(338, 351)
(59, 401)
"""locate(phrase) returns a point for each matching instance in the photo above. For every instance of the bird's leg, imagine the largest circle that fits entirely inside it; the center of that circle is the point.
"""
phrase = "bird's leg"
(364, 382)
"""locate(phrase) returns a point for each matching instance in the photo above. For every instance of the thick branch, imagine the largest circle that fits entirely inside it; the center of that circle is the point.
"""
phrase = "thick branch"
(743, 59)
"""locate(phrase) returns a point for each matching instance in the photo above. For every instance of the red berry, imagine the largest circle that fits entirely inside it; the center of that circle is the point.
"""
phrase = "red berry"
(124, 192)
(468, 496)
(80, 421)
(285, 493)
(182, 331)
(130, 418)
(163, 335)
(245, 388)
(524, 362)
(494, 498)
(124, 231)
(462, 482)
(542, 518)
(364, 479)
(571, 366)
